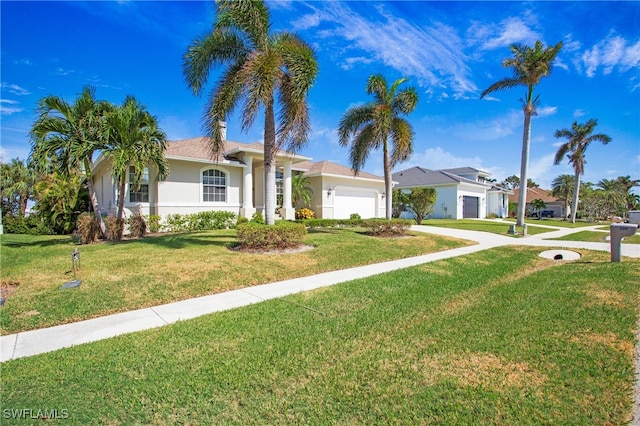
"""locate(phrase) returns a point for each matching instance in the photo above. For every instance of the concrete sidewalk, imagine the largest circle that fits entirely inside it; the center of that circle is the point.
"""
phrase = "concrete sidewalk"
(34, 342)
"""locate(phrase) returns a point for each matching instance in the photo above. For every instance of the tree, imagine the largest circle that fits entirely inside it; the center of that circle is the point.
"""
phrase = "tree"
(632, 200)
(511, 182)
(60, 198)
(614, 194)
(562, 187)
(17, 182)
(529, 65)
(259, 69)
(532, 184)
(420, 202)
(66, 136)
(579, 137)
(398, 202)
(134, 140)
(538, 204)
(301, 191)
(372, 125)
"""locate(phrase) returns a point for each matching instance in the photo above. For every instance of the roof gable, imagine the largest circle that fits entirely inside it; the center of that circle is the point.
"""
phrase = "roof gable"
(329, 168)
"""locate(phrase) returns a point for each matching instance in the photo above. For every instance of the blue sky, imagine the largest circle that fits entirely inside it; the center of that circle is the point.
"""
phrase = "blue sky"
(451, 51)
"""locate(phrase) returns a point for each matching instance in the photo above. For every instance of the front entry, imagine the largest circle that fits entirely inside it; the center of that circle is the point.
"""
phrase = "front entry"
(470, 207)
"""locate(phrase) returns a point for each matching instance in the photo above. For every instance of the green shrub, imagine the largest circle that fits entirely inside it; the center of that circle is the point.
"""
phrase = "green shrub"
(331, 223)
(241, 220)
(492, 216)
(305, 213)
(153, 222)
(387, 228)
(137, 226)
(176, 223)
(114, 228)
(87, 227)
(282, 235)
(258, 218)
(355, 216)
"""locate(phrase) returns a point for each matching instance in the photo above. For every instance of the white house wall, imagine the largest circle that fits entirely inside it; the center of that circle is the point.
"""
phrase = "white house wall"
(472, 191)
(324, 195)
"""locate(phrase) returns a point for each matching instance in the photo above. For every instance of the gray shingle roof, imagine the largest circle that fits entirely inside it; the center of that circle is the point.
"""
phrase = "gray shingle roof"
(418, 176)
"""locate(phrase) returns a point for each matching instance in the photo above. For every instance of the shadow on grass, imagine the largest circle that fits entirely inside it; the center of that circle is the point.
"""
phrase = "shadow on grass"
(45, 241)
(178, 241)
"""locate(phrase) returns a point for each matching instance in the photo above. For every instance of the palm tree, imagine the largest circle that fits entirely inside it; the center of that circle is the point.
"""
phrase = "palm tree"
(134, 141)
(60, 199)
(66, 136)
(615, 195)
(579, 137)
(538, 204)
(562, 187)
(529, 65)
(627, 183)
(17, 181)
(372, 125)
(300, 190)
(260, 69)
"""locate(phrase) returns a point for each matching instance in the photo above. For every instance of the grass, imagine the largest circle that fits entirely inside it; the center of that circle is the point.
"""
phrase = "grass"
(485, 226)
(597, 237)
(557, 222)
(496, 337)
(134, 274)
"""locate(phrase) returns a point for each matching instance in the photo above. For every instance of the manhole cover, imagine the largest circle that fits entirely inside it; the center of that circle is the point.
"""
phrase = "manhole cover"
(560, 255)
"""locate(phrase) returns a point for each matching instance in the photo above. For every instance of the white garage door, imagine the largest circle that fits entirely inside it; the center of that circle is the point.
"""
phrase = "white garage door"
(354, 200)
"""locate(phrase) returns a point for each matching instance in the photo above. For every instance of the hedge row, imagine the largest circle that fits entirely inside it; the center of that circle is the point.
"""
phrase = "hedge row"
(387, 228)
(202, 221)
(282, 235)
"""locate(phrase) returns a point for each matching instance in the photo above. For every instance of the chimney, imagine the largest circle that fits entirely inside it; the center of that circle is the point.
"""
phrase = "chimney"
(223, 129)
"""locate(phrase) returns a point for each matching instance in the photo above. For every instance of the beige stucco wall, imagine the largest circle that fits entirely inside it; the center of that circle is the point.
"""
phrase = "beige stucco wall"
(322, 201)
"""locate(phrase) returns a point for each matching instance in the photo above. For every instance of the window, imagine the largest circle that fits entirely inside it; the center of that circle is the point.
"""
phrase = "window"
(214, 186)
(279, 189)
(139, 193)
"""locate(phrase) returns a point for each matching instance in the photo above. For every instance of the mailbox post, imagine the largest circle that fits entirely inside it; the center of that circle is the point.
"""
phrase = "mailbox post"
(617, 232)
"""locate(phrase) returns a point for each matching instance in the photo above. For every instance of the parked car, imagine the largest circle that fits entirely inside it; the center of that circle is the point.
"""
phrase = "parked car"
(544, 213)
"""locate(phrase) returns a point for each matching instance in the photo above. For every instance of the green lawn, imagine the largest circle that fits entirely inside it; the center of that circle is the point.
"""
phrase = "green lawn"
(496, 337)
(133, 274)
(597, 237)
(486, 226)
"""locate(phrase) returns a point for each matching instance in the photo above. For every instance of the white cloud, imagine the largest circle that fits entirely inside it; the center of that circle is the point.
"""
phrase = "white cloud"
(8, 110)
(350, 62)
(433, 54)
(613, 52)
(15, 89)
(578, 113)
(546, 111)
(310, 20)
(507, 32)
(437, 158)
(540, 170)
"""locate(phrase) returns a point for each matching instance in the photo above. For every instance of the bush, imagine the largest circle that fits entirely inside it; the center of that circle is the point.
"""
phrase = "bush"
(492, 216)
(257, 218)
(114, 228)
(137, 226)
(305, 213)
(87, 228)
(282, 235)
(241, 220)
(176, 223)
(331, 223)
(355, 216)
(153, 222)
(386, 228)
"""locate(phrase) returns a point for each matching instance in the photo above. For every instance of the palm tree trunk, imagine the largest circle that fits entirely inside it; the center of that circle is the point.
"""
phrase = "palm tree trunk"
(269, 165)
(387, 180)
(94, 199)
(576, 189)
(121, 190)
(524, 164)
(23, 205)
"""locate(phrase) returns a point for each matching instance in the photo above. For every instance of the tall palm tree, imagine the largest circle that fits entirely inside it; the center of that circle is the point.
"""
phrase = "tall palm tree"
(579, 137)
(373, 124)
(529, 65)
(135, 140)
(65, 137)
(17, 182)
(627, 183)
(615, 195)
(562, 187)
(260, 70)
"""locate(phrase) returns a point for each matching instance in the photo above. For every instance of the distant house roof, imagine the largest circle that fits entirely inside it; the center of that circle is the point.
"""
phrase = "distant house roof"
(532, 194)
(467, 171)
(328, 168)
(418, 176)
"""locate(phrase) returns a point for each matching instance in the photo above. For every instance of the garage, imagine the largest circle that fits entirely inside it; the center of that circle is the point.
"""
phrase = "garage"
(470, 207)
(348, 201)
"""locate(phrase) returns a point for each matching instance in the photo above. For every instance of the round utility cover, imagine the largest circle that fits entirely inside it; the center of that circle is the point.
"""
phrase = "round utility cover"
(560, 255)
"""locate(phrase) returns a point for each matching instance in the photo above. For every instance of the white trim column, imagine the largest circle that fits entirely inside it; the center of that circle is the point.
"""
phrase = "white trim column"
(287, 211)
(247, 209)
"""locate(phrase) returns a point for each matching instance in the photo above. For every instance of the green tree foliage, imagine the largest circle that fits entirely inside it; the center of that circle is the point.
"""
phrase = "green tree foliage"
(133, 140)
(17, 181)
(529, 65)
(421, 201)
(259, 69)
(398, 203)
(562, 187)
(373, 125)
(578, 139)
(301, 191)
(538, 204)
(60, 199)
(66, 136)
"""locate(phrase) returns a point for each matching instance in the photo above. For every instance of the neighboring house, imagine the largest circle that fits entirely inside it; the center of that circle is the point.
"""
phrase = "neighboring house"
(463, 192)
(555, 204)
(234, 182)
